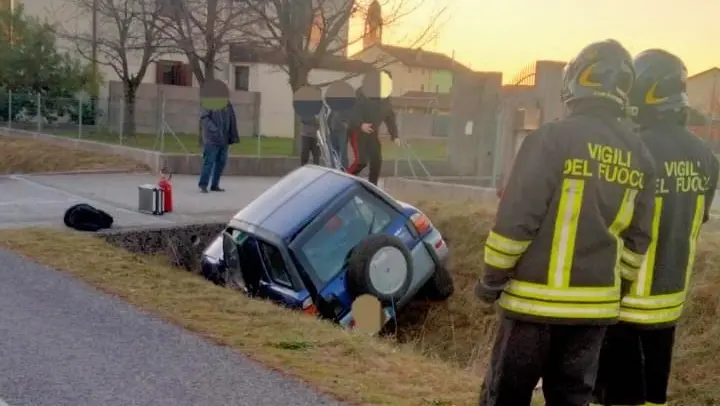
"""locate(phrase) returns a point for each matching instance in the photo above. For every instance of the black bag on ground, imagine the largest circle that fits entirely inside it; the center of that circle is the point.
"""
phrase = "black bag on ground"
(84, 217)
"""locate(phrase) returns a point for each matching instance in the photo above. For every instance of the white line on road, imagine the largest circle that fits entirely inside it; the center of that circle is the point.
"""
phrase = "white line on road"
(3, 403)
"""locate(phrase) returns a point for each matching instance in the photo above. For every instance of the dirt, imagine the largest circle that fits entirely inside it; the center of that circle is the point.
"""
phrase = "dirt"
(442, 348)
(20, 155)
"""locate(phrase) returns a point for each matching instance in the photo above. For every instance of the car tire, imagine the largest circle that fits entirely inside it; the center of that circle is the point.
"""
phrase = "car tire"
(380, 265)
(440, 286)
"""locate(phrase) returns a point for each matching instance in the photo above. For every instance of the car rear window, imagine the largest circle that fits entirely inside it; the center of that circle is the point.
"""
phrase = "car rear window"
(327, 250)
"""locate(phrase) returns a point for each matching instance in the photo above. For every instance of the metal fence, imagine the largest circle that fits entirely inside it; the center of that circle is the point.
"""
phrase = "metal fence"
(170, 125)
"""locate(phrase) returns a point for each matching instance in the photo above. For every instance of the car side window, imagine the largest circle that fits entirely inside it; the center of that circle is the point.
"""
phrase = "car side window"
(275, 264)
(328, 248)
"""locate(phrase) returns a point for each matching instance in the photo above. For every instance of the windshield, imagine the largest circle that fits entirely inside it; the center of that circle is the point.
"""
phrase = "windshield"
(328, 249)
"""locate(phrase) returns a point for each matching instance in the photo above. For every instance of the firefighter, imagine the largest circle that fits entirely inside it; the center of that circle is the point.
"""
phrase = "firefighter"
(574, 220)
(635, 359)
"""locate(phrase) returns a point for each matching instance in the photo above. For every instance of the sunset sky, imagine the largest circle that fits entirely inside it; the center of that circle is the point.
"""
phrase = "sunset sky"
(505, 35)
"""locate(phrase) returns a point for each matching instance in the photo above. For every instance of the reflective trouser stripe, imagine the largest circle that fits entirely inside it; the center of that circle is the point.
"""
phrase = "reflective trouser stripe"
(559, 310)
(564, 235)
(503, 252)
(529, 290)
(643, 284)
(627, 261)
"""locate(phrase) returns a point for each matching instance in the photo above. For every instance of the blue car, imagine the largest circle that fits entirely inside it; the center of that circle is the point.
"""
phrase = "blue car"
(320, 238)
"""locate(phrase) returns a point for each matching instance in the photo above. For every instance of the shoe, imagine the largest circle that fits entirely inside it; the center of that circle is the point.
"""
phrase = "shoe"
(217, 189)
(203, 190)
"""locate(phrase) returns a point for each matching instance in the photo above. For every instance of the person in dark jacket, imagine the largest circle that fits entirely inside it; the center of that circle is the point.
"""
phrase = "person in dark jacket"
(219, 131)
(572, 227)
(636, 357)
(339, 136)
(309, 140)
(365, 120)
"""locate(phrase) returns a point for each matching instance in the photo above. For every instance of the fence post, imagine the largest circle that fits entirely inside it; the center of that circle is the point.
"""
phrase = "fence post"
(122, 119)
(80, 117)
(39, 113)
(10, 109)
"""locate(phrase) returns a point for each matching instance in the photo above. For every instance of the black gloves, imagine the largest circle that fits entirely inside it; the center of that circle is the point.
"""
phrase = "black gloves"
(488, 294)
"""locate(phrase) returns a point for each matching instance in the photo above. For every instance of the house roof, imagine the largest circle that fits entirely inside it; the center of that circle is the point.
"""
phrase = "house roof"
(705, 72)
(240, 53)
(420, 58)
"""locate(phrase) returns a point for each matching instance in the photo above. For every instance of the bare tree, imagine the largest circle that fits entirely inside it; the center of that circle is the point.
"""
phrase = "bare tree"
(128, 40)
(203, 30)
(308, 32)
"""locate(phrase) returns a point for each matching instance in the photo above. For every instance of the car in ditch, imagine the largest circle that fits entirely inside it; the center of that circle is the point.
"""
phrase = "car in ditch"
(319, 238)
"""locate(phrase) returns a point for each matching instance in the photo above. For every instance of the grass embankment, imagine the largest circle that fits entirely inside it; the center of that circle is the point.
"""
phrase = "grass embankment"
(443, 348)
(20, 155)
(425, 148)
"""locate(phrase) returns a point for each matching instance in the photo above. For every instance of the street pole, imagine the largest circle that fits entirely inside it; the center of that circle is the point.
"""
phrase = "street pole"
(94, 76)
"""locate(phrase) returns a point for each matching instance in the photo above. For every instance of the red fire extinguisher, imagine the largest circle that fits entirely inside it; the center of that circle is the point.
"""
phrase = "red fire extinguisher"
(166, 187)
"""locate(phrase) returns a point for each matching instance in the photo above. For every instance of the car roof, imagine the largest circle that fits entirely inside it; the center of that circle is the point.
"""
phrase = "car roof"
(293, 201)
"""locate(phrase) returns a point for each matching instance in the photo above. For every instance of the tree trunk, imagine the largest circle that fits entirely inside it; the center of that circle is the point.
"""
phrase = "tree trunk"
(298, 78)
(129, 112)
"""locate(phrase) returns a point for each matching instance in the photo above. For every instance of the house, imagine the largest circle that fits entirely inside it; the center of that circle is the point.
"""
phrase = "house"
(413, 70)
(170, 69)
(703, 90)
(261, 70)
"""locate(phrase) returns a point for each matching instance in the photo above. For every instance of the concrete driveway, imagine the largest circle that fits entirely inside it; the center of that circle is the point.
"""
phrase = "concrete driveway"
(41, 200)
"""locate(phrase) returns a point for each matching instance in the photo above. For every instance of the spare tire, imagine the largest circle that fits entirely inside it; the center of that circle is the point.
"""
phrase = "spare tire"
(380, 265)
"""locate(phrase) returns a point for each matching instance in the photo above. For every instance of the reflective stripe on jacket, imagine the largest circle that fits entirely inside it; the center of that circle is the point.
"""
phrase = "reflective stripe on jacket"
(687, 177)
(574, 219)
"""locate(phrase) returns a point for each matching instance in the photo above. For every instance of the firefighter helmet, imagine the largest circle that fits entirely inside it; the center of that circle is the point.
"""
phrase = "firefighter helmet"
(660, 84)
(602, 70)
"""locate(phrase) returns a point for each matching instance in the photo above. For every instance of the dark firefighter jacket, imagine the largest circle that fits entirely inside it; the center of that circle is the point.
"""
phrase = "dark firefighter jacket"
(687, 175)
(375, 112)
(574, 217)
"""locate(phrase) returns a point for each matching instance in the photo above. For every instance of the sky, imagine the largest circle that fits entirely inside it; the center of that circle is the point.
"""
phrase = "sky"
(506, 35)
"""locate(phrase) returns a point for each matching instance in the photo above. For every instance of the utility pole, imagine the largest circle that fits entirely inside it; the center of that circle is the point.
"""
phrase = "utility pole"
(94, 64)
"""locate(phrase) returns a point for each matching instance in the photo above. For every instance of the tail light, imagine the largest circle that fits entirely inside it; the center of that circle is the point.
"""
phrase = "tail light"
(308, 306)
(421, 222)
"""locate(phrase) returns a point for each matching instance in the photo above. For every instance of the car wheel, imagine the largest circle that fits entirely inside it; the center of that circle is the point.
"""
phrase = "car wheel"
(440, 286)
(381, 266)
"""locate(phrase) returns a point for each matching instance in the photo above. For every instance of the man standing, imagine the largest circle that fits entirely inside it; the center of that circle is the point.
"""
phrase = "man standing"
(636, 358)
(309, 141)
(578, 199)
(219, 128)
(339, 136)
(369, 112)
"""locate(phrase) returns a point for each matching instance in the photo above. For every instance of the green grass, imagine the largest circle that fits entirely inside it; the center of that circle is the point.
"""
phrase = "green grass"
(426, 149)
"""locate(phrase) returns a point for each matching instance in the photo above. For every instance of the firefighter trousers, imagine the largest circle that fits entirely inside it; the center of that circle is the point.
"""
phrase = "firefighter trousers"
(564, 356)
(634, 366)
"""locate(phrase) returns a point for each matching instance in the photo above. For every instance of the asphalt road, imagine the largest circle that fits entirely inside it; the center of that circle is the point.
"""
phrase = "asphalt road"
(64, 344)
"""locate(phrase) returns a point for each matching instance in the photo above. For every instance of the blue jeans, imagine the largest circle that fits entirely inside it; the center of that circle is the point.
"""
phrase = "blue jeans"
(339, 142)
(213, 163)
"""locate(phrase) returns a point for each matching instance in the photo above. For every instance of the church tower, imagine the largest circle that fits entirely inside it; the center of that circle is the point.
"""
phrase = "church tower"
(373, 25)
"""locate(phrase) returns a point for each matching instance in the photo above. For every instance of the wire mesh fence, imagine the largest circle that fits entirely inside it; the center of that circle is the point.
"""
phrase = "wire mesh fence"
(172, 125)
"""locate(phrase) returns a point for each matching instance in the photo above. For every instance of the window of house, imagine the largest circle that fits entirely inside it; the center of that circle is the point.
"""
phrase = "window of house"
(173, 73)
(166, 8)
(242, 78)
